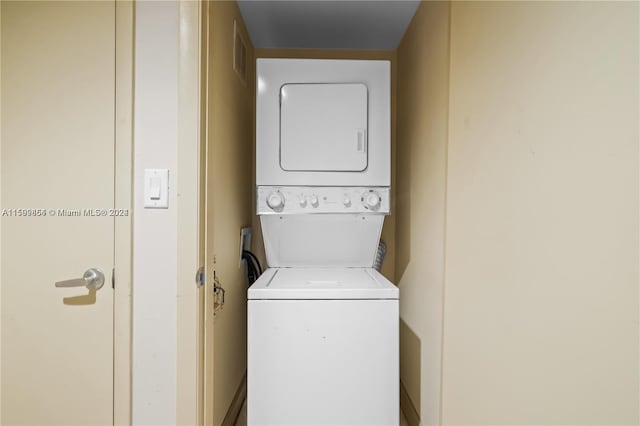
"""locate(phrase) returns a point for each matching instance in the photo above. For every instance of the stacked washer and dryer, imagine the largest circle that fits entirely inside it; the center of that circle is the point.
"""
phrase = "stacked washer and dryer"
(322, 322)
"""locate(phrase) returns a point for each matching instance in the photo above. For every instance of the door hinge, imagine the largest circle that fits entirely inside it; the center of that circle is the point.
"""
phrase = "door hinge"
(201, 277)
(113, 278)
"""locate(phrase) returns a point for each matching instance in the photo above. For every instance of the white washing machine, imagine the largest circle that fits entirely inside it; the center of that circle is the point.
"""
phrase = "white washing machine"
(323, 348)
(323, 344)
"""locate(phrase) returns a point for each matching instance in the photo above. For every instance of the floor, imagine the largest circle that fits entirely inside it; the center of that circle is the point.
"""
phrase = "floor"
(242, 417)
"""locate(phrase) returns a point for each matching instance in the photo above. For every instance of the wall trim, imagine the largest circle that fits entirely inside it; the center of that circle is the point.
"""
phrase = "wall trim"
(236, 404)
(407, 407)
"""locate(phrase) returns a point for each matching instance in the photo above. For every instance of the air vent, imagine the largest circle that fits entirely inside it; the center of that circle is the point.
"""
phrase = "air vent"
(239, 53)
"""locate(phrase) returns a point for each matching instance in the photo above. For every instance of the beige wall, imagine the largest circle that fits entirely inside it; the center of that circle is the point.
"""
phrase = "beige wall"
(155, 282)
(541, 304)
(527, 211)
(422, 108)
(388, 231)
(229, 183)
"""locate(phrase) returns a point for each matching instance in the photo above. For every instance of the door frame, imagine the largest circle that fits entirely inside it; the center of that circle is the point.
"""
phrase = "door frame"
(123, 194)
(189, 257)
(190, 214)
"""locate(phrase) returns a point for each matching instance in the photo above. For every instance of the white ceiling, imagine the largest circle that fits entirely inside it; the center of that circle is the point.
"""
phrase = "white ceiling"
(327, 24)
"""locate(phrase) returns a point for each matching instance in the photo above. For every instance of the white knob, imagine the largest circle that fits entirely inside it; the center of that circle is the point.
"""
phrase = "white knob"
(303, 202)
(275, 201)
(346, 201)
(314, 201)
(373, 200)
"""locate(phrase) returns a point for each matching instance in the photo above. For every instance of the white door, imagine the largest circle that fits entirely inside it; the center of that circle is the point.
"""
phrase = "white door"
(57, 147)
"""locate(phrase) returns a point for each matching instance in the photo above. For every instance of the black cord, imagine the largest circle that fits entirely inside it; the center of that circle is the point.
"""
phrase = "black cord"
(254, 269)
(251, 272)
(254, 257)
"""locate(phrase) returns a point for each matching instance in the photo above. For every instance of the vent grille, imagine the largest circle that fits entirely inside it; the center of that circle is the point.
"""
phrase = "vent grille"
(239, 53)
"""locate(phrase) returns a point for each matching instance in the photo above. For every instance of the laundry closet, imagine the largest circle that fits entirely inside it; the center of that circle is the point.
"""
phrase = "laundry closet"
(323, 181)
(485, 192)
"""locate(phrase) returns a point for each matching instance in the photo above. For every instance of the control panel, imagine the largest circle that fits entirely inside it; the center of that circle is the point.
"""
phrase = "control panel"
(334, 199)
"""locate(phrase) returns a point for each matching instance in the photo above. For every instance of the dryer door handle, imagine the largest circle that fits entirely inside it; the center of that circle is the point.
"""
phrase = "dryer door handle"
(361, 144)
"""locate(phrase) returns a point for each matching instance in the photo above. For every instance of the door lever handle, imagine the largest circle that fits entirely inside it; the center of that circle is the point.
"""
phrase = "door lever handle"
(93, 279)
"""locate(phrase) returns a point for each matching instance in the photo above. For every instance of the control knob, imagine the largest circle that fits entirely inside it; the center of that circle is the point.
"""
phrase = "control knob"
(314, 200)
(372, 200)
(275, 201)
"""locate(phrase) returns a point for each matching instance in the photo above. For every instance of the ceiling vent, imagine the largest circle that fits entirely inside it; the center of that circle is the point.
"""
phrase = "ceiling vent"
(239, 53)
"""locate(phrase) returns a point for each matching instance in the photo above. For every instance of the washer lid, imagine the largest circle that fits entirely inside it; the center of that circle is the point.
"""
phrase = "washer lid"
(319, 283)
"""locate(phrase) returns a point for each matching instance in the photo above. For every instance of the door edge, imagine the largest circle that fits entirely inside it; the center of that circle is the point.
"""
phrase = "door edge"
(123, 199)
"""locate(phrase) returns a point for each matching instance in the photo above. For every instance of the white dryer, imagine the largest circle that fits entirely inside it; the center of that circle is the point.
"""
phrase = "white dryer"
(323, 122)
(323, 339)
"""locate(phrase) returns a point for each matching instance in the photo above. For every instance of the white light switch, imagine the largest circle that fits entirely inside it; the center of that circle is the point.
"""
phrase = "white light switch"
(156, 188)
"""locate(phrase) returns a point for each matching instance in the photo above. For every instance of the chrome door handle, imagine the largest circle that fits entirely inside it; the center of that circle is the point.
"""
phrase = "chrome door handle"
(93, 279)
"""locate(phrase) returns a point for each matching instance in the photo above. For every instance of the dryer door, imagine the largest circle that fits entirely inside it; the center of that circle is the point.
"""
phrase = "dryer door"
(323, 127)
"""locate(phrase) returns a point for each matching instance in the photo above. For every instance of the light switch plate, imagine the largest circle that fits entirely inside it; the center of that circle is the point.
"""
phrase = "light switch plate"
(156, 188)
